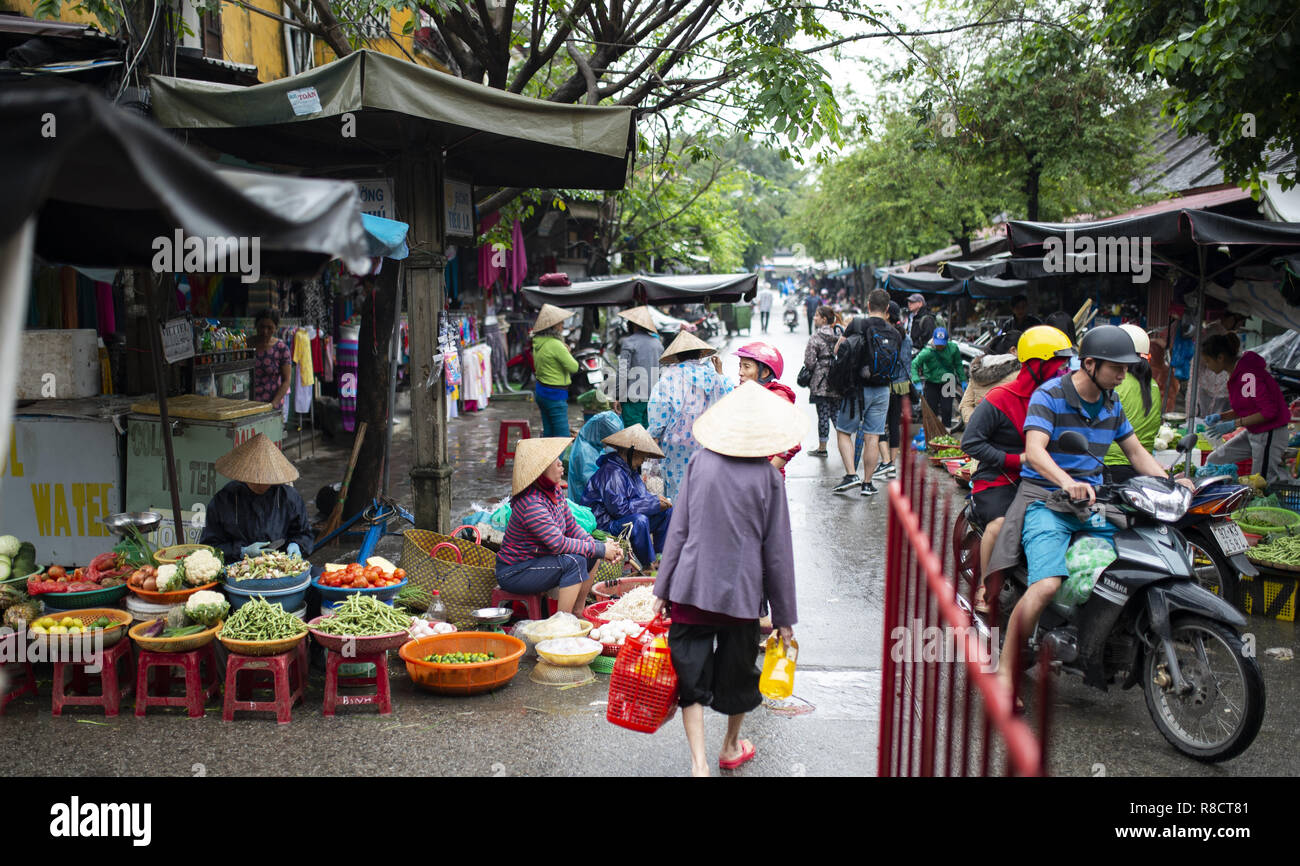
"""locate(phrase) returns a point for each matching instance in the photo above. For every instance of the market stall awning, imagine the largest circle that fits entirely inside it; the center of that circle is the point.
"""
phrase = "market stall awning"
(624, 291)
(995, 287)
(924, 282)
(109, 184)
(499, 138)
(974, 268)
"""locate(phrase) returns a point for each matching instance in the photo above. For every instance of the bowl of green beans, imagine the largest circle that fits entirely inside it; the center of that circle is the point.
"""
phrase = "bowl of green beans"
(260, 628)
(364, 624)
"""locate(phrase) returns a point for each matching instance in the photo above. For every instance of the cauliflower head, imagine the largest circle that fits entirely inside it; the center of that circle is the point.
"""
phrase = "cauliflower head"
(207, 607)
(201, 567)
(169, 578)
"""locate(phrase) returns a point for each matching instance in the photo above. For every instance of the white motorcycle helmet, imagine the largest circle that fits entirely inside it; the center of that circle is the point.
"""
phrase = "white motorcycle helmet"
(1141, 342)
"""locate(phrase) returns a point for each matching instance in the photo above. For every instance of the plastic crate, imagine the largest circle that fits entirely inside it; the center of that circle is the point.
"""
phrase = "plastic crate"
(1269, 595)
(1287, 493)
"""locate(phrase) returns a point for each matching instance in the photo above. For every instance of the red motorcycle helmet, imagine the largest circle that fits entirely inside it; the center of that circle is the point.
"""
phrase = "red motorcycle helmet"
(763, 354)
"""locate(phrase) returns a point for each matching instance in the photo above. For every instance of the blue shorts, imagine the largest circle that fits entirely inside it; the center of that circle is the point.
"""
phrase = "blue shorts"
(871, 418)
(1046, 538)
(533, 576)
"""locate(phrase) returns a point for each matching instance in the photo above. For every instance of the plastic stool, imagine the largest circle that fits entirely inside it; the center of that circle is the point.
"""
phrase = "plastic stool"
(198, 689)
(380, 680)
(285, 673)
(27, 688)
(533, 604)
(111, 692)
(503, 436)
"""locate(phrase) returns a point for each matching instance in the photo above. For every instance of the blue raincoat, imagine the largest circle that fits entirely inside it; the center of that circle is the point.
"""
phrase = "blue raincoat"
(587, 448)
(617, 497)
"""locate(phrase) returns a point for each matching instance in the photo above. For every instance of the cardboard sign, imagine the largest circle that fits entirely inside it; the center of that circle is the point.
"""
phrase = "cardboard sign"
(178, 340)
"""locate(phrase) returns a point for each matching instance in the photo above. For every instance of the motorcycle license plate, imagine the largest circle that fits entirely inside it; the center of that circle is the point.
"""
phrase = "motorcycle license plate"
(595, 377)
(1230, 538)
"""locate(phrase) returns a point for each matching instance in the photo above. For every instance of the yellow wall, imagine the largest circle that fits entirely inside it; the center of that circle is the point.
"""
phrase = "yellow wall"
(247, 37)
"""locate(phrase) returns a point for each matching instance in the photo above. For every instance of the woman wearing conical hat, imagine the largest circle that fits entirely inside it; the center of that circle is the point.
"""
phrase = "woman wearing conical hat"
(638, 359)
(618, 497)
(554, 366)
(258, 506)
(544, 548)
(729, 548)
(687, 386)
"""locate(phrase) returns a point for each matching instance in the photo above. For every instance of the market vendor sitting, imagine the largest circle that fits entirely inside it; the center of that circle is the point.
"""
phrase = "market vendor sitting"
(259, 506)
(544, 548)
(618, 497)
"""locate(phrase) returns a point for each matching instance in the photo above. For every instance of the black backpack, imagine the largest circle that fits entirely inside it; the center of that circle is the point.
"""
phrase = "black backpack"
(844, 377)
(884, 353)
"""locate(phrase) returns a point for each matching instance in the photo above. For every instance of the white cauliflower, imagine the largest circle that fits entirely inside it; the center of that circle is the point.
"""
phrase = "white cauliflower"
(169, 578)
(207, 607)
(201, 567)
(9, 545)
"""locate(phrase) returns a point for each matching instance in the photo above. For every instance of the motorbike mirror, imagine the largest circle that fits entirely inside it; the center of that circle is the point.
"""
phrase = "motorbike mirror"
(1187, 443)
(1072, 442)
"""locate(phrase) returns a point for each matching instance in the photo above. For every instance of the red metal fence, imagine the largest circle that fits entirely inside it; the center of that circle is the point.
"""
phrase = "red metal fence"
(943, 710)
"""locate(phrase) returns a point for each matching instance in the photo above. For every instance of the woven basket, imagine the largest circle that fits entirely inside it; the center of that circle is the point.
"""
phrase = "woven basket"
(463, 586)
(173, 644)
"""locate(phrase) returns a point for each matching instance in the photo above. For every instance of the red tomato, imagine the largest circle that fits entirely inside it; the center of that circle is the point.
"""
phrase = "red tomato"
(399, 575)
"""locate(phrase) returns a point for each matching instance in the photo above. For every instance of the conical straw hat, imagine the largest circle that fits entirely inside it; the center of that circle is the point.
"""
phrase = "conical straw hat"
(641, 316)
(751, 421)
(635, 437)
(532, 457)
(257, 461)
(685, 342)
(549, 317)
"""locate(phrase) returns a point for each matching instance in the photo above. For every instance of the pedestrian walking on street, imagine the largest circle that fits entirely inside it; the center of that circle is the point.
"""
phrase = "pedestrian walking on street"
(900, 390)
(728, 549)
(810, 305)
(638, 365)
(618, 497)
(764, 308)
(688, 385)
(762, 363)
(544, 548)
(938, 369)
(818, 357)
(866, 363)
(554, 366)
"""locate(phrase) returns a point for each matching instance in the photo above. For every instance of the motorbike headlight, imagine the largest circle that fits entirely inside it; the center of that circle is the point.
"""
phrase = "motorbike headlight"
(1166, 503)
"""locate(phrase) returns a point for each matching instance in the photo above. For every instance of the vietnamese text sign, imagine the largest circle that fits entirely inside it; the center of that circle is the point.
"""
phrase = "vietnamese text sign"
(377, 197)
(460, 208)
(178, 340)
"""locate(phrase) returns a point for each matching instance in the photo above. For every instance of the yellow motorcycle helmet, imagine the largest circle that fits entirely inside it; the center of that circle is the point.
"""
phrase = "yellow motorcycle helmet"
(1043, 342)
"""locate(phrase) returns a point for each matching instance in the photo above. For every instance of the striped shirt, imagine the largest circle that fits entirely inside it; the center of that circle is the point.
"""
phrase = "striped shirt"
(541, 524)
(1056, 408)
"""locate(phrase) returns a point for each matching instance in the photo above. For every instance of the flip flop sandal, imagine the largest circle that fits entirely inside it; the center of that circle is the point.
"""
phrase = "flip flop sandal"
(747, 752)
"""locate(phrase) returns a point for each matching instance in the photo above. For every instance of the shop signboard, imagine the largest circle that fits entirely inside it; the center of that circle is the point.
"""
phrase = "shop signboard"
(459, 208)
(376, 196)
(178, 340)
(196, 446)
(61, 479)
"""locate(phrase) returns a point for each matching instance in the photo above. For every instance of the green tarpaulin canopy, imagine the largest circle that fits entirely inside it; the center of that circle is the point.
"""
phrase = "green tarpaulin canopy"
(495, 137)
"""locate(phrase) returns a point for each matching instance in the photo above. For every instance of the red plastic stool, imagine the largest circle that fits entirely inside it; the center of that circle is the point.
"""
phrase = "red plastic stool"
(27, 688)
(112, 688)
(533, 604)
(503, 436)
(198, 688)
(380, 680)
(283, 674)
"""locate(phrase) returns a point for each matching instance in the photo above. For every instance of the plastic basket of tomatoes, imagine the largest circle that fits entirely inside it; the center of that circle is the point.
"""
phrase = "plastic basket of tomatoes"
(368, 579)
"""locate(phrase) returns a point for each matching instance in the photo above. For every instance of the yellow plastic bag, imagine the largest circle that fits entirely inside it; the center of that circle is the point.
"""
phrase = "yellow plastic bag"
(777, 681)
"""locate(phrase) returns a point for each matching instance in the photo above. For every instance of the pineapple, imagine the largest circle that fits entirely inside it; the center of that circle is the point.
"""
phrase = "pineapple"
(10, 595)
(17, 616)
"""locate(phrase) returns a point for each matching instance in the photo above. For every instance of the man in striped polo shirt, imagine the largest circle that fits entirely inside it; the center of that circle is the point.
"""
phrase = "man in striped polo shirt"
(1082, 402)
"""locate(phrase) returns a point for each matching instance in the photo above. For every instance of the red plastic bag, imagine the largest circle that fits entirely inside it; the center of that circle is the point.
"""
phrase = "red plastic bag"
(643, 686)
(556, 279)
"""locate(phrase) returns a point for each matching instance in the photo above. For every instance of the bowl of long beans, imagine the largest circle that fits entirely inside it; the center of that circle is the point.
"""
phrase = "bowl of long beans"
(260, 628)
(364, 623)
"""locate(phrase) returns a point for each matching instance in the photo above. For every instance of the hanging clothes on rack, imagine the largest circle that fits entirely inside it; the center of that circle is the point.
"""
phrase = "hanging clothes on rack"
(497, 341)
(488, 269)
(347, 376)
(476, 372)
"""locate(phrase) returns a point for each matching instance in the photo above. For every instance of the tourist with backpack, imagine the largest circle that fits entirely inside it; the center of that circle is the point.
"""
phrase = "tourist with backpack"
(938, 369)
(866, 362)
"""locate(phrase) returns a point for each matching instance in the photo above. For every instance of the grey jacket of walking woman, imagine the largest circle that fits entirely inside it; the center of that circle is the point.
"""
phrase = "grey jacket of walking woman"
(818, 357)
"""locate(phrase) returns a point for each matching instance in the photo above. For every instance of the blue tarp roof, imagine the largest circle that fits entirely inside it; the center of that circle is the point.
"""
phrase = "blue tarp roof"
(386, 238)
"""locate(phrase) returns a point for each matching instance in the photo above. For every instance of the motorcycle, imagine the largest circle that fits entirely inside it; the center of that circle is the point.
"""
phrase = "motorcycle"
(519, 369)
(593, 370)
(1147, 622)
(1217, 544)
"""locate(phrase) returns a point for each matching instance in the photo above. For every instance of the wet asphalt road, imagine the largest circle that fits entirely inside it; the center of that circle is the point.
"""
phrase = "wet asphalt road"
(527, 729)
